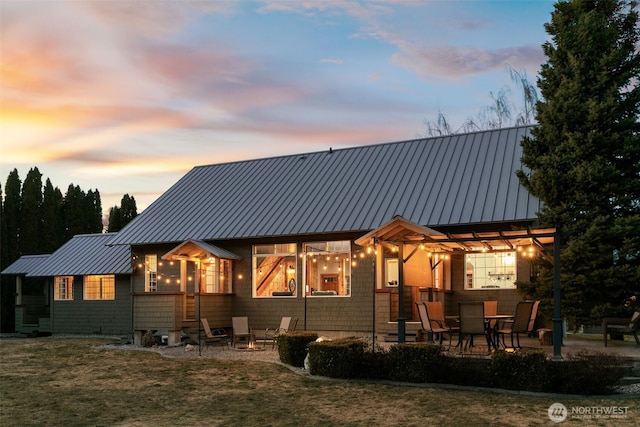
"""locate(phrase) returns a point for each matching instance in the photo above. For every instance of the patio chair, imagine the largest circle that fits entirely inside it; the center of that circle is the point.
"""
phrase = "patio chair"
(271, 335)
(432, 327)
(621, 326)
(241, 330)
(491, 309)
(532, 320)
(215, 336)
(519, 325)
(472, 323)
(437, 317)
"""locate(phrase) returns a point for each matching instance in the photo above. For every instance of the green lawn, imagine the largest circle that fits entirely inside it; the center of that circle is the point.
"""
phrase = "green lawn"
(75, 382)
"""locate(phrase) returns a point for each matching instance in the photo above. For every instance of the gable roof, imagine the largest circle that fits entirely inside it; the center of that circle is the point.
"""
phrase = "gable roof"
(449, 180)
(25, 264)
(198, 249)
(86, 254)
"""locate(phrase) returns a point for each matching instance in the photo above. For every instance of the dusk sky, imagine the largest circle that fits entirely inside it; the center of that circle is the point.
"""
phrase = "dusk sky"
(127, 96)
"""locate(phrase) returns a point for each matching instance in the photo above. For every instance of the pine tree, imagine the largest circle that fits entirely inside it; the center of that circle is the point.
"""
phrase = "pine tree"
(584, 155)
(119, 216)
(11, 214)
(30, 223)
(52, 226)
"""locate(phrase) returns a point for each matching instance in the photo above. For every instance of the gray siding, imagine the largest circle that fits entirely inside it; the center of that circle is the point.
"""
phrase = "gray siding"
(109, 317)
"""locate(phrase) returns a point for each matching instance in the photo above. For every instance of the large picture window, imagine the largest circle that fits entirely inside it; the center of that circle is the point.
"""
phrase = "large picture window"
(327, 268)
(491, 270)
(63, 288)
(151, 273)
(100, 287)
(217, 276)
(274, 270)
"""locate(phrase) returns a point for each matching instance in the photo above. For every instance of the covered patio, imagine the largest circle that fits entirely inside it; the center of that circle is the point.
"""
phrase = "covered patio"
(405, 238)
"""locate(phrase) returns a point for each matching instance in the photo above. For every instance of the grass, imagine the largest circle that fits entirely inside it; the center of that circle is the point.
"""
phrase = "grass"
(76, 382)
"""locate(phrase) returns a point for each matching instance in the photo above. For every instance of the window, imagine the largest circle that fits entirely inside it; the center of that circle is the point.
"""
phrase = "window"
(327, 268)
(217, 276)
(274, 270)
(491, 270)
(63, 288)
(151, 273)
(100, 287)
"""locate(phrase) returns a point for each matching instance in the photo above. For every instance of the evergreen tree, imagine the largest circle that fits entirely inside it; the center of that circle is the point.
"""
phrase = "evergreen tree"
(94, 212)
(52, 225)
(74, 212)
(11, 215)
(129, 210)
(30, 224)
(115, 219)
(119, 216)
(584, 155)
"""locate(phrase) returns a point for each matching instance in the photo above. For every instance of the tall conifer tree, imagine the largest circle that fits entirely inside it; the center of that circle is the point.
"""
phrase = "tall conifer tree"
(53, 230)
(30, 222)
(584, 155)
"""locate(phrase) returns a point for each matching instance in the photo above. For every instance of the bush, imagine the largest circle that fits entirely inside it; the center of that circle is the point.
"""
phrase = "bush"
(417, 363)
(586, 373)
(337, 359)
(292, 347)
(526, 370)
(148, 339)
(468, 371)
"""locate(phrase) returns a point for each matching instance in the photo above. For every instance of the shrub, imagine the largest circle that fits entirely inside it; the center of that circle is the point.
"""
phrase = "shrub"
(469, 371)
(292, 347)
(525, 370)
(417, 363)
(586, 373)
(148, 339)
(337, 359)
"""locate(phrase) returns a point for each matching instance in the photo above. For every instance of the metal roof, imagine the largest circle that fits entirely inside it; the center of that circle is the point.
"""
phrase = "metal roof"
(198, 249)
(86, 254)
(441, 181)
(25, 264)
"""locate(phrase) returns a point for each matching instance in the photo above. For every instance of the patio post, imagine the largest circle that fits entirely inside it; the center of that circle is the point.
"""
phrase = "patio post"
(401, 318)
(557, 315)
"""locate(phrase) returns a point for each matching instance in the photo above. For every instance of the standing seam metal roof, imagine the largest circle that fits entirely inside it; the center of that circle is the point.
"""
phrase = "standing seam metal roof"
(86, 254)
(25, 264)
(448, 180)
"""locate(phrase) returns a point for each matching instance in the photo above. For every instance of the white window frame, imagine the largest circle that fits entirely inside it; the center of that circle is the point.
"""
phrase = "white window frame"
(63, 288)
(151, 273)
(333, 256)
(104, 287)
(491, 270)
(217, 276)
(285, 270)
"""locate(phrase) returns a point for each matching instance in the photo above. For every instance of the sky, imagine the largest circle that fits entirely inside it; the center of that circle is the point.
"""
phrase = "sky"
(126, 96)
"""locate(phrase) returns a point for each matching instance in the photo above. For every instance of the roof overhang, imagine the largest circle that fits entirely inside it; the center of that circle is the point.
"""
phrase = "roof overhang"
(197, 250)
(402, 231)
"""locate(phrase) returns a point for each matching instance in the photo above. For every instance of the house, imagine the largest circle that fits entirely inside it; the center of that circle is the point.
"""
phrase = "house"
(275, 237)
(84, 287)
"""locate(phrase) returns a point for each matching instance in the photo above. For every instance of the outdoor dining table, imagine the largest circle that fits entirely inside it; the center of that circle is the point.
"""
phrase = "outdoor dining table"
(495, 340)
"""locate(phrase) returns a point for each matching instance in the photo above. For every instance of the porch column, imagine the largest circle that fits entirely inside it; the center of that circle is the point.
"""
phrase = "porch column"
(401, 318)
(18, 290)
